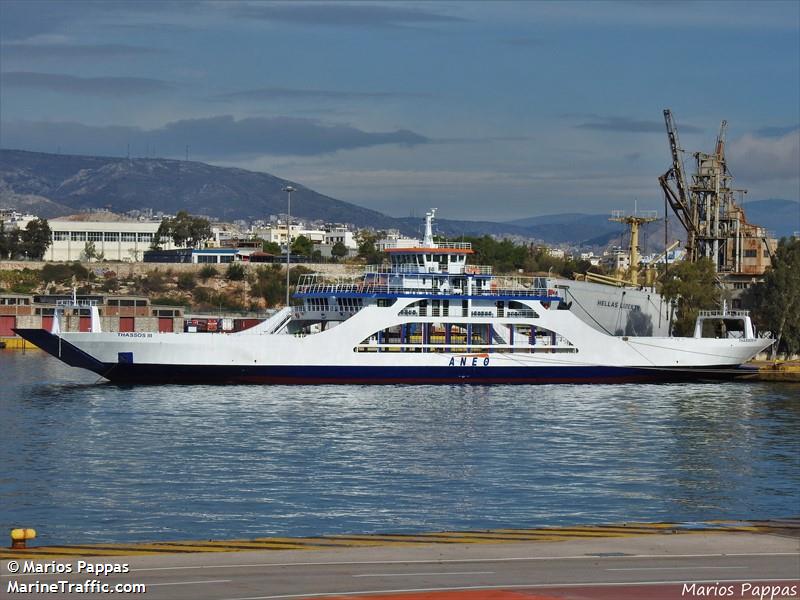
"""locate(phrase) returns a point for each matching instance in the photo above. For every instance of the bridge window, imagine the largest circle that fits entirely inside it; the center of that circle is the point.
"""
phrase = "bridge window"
(349, 304)
(317, 304)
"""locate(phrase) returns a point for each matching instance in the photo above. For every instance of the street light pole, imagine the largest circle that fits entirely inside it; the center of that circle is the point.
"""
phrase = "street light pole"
(288, 189)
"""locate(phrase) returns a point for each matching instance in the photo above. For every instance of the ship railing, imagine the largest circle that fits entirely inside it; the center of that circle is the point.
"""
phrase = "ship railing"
(383, 289)
(478, 269)
(455, 245)
(721, 314)
(508, 291)
(522, 314)
(76, 303)
(389, 269)
(300, 311)
(500, 286)
(422, 270)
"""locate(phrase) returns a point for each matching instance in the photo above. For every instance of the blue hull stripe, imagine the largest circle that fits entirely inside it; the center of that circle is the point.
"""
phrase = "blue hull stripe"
(144, 373)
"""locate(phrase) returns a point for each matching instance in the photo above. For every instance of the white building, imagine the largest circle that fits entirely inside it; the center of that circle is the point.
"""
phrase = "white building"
(278, 233)
(394, 239)
(590, 256)
(676, 255)
(343, 235)
(616, 260)
(13, 219)
(115, 240)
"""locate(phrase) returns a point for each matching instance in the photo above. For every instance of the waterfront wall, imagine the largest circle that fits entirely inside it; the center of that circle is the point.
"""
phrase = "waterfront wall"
(130, 269)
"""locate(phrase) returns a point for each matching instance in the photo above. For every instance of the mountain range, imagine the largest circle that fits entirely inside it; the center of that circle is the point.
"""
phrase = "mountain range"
(52, 185)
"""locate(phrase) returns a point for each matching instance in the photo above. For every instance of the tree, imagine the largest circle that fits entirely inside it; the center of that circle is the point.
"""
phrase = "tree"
(302, 246)
(775, 302)
(269, 283)
(692, 285)
(271, 247)
(184, 230)
(339, 250)
(367, 250)
(9, 241)
(90, 252)
(35, 239)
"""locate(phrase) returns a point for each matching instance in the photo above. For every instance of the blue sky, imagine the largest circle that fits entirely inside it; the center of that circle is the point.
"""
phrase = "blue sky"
(487, 110)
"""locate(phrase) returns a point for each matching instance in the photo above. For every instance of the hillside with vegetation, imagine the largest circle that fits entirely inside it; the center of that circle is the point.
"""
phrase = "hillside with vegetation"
(210, 288)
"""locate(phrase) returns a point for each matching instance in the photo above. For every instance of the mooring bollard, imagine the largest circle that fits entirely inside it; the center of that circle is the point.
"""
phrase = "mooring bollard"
(20, 537)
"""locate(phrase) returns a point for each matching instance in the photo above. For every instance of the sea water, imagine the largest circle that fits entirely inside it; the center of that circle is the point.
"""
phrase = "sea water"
(82, 460)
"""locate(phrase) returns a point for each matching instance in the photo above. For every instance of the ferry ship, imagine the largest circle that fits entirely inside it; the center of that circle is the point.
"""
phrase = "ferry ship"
(429, 317)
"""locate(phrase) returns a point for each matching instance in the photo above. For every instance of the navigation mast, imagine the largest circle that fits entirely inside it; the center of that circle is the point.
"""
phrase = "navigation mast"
(633, 222)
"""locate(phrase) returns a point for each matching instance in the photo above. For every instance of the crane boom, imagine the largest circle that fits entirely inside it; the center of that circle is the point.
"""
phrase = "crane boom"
(679, 201)
(677, 161)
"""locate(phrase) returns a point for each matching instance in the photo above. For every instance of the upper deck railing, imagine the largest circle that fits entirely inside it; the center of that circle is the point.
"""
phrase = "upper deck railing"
(405, 268)
(319, 284)
(455, 245)
(76, 303)
(722, 314)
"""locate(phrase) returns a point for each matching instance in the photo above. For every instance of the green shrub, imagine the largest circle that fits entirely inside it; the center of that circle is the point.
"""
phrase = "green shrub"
(151, 283)
(57, 272)
(22, 287)
(80, 272)
(235, 272)
(111, 284)
(202, 294)
(186, 281)
(168, 301)
(207, 272)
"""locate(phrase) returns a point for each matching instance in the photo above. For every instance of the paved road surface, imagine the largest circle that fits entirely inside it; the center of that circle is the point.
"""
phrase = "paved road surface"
(651, 567)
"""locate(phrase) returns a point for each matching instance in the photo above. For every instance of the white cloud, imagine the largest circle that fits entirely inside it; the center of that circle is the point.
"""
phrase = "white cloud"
(757, 158)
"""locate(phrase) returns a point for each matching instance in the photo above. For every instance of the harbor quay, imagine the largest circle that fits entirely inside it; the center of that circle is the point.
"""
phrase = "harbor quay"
(658, 561)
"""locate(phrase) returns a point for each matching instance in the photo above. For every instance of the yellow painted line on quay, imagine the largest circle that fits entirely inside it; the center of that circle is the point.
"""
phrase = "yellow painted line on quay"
(621, 531)
(489, 536)
(536, 535)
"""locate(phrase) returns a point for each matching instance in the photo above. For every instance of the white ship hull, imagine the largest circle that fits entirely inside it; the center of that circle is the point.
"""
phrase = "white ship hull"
(339, 354)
